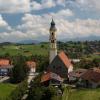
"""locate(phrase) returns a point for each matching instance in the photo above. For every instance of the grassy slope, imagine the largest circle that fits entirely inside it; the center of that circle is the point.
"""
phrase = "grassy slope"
(85, 94)
(5, 90)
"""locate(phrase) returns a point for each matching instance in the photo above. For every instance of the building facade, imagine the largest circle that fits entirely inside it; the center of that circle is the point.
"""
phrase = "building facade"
(5, 67)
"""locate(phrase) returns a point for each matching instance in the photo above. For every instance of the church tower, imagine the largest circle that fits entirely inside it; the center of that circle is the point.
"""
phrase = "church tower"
(52, 39)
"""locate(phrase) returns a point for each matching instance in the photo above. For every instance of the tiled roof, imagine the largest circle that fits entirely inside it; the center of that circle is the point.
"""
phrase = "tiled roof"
(91, 76)
(4, 62)
(65, 59)
(31, 64)
(49, 75)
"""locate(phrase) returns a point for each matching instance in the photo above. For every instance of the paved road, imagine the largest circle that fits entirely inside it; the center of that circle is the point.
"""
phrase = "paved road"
(3, 79)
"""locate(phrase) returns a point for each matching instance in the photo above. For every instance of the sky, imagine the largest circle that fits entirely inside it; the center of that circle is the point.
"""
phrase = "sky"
(30, 19)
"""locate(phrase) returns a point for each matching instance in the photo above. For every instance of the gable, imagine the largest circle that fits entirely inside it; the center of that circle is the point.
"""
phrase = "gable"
(57, 66)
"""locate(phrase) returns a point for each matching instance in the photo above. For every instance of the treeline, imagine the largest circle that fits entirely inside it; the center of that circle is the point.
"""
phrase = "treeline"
(88, 63)
(79, 49)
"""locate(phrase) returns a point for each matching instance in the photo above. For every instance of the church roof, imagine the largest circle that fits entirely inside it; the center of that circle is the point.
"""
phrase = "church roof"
(50, 75)
(65, 59)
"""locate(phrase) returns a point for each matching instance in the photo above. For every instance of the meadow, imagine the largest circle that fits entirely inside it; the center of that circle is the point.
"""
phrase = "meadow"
(5, 90)
(81, 94)
(26, 50)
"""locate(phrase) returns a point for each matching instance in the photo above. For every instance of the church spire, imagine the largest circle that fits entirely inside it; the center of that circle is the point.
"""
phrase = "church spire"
(52, 22)
(52, 39)
(52, 28)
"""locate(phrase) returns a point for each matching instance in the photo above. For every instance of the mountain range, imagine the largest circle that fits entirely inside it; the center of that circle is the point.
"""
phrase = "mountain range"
(30, 41)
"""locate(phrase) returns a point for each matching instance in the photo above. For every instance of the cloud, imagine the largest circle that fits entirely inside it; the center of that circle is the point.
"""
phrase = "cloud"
(3, 24)
(37, 26)
(23, 6)
(78, 28)
(45, 4)
(14, 6)
(93, 4)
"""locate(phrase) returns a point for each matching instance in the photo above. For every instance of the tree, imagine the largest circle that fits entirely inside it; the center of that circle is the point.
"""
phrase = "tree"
(39, 92)
(19, 91)
(96, 62)
(19, 71)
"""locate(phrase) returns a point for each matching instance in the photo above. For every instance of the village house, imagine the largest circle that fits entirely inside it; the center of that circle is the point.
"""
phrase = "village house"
(32, 70)
(32, 66)
(89, 78)
(5, 67)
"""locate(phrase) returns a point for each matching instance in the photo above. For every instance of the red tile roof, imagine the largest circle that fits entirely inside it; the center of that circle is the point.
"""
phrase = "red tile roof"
(4, 62)
(31, 64)
(65, 59)
(49, 75)
(91, 76)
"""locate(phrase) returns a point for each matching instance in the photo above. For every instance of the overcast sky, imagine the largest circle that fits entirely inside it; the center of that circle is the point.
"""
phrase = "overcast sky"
(30, 19)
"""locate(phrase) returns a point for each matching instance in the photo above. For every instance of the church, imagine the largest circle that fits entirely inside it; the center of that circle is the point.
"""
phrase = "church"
(59, 64)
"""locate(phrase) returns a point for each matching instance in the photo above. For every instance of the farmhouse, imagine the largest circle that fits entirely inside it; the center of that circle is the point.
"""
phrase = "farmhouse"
(31, 65)
(5, 67)
(90, 78)
(32, 70)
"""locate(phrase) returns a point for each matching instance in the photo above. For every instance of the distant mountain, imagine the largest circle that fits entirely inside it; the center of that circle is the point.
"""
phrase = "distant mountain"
(6, 43)
(89, 38)
(28, 42)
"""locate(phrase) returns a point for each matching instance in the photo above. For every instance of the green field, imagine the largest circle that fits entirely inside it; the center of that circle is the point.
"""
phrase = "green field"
(81, 94)
(27, 50)
(5, 90)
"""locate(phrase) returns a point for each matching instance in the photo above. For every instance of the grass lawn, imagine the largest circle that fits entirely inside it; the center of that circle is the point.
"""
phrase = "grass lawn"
(5, 90)
(81, 94)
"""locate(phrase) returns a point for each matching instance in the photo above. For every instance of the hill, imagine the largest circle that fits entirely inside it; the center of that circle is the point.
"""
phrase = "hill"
(28, 42)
